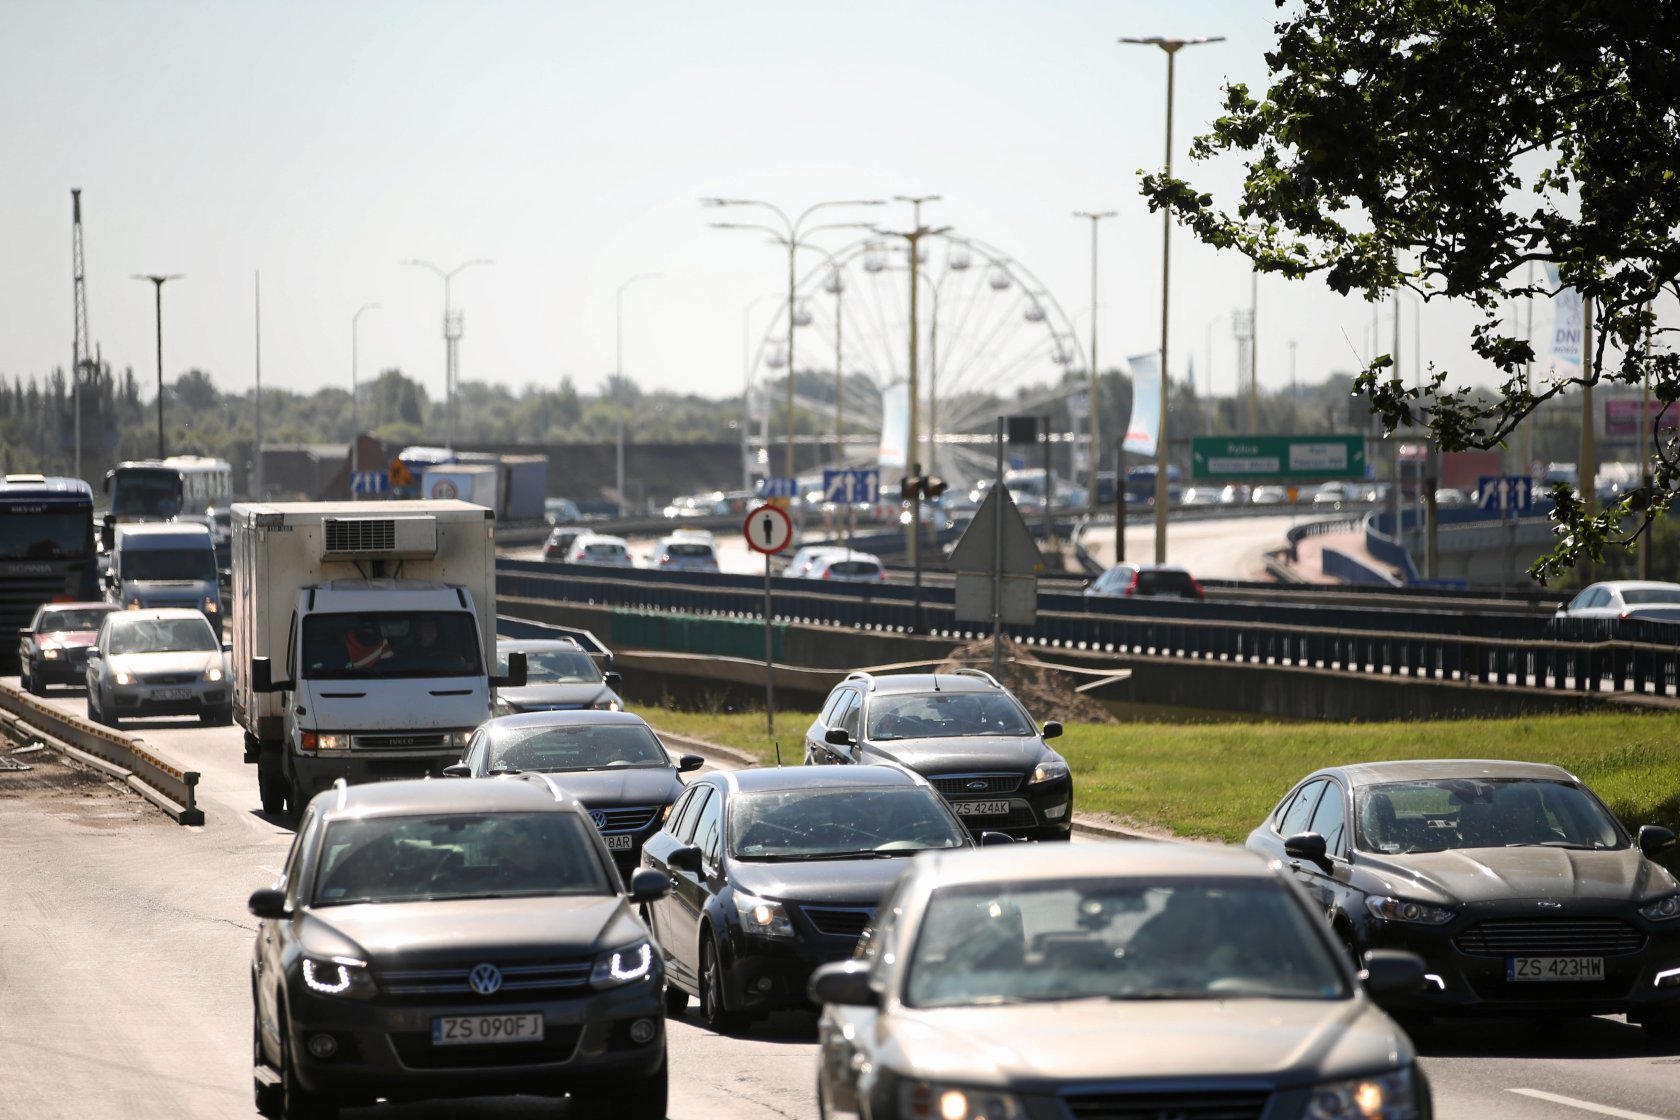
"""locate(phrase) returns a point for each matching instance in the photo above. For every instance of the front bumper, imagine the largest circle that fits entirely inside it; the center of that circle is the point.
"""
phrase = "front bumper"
(1035, 812)
(157, 700)
(386, 1050)
(319, 770)
(764, 974)
(69, 667)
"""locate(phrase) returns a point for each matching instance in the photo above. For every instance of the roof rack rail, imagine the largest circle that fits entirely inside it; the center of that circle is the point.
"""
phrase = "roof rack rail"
(342, 785)
(981, 673)
(546, 781)
(862, 675)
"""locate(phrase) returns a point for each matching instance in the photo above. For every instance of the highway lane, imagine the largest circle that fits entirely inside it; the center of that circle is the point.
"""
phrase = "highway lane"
(124, 972)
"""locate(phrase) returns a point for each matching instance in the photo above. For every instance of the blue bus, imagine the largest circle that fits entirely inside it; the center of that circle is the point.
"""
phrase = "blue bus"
(47, 551)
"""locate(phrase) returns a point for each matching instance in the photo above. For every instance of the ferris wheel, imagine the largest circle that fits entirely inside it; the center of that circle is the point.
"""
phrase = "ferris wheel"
(991, 340)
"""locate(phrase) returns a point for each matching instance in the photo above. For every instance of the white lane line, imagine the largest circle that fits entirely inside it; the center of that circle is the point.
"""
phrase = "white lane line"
(1585, 1106)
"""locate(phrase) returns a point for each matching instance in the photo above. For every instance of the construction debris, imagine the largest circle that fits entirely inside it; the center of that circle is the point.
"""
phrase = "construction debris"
(1047, 692)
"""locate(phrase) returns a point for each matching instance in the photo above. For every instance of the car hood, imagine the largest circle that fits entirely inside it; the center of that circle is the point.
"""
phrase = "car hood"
(842, 882)
(68, 638)
(537, 697)
(182, 661)
(1286, 1041)
(653, 785)
(417, 933)
(1491, 874)
(961, 754)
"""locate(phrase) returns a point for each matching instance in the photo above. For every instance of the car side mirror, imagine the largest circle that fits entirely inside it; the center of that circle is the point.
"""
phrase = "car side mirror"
(686, 858)
(613, 679)
(845, 983)
(93, 653)
(837, 737)
(457, 770)
(992, 839)
(1052, 728)
(269, 902)
(648, 885)
(515, 675)
(1653, 838)
(689, 762)
(25, 632)
(1392, 972)
(1308, 846)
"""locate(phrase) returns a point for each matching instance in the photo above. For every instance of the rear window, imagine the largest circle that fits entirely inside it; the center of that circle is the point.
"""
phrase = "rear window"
(1165, 583)
(690, 551)
(854, 568)
(603, 550)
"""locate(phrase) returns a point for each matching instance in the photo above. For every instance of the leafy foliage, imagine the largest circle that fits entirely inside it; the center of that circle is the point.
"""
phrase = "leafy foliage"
(1443, 146)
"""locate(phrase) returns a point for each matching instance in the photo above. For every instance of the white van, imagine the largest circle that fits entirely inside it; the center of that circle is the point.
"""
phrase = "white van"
(165, 564)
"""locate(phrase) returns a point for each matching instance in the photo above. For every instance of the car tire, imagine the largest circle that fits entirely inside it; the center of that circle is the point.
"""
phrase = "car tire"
(640, 1098)
(1663, 1029)
(271, 783)
(216, 717)
(269, 1098)
(296, 1102)
(676, 1000)
(32, 682)
(296, 801)
(713, 1011)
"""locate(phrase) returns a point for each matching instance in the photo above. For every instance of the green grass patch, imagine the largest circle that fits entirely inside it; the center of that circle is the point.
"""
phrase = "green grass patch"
(1217, 781)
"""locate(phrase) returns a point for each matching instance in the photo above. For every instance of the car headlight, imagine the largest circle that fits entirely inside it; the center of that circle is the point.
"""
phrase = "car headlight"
(210, 605)
(49, 653)
(212, 674)
(1049, 770)
(929, 1100)
(1405, 910)
(310, 741)
(606, 705)
(1382, 1096)
(339, 976)
(1663, 909)
(623, 966)
(123, 677)
(765, 918)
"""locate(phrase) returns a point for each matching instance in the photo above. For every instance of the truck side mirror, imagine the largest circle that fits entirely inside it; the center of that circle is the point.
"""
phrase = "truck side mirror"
(262, 677)
(515, 675)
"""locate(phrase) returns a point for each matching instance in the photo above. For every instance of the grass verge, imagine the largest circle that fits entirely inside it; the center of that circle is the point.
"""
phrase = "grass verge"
(1217, 781)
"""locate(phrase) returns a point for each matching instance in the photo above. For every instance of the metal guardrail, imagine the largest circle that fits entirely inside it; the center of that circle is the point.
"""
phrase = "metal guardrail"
(153, 775)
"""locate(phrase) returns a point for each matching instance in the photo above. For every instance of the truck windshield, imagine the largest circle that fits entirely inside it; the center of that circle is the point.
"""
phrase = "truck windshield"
(169, 563)
(391, 644)
(53, 535)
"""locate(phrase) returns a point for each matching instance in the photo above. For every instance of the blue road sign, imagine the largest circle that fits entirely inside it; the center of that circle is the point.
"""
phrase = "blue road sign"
(369, 482)
(851, 486)
(1514, 493)
(779, 488)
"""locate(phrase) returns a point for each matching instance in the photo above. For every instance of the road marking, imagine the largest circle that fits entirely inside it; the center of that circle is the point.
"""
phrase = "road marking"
(1586, 1106)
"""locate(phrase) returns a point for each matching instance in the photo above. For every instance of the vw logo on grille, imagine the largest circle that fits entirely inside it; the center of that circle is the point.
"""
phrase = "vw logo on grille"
(599, 818)
(485, 979)
(976, 785)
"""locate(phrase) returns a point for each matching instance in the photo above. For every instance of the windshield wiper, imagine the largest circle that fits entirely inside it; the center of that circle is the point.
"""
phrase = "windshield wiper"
(1566, 845)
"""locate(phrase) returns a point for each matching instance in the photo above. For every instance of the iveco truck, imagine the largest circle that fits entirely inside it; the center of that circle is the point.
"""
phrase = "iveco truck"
(363, 640)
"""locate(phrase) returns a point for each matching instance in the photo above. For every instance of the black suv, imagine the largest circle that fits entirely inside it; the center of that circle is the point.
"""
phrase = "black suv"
(966, 734)
(437, 939)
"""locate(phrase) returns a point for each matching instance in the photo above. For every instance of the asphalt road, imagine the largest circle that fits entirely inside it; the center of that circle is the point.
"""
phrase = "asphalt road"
(124, 979)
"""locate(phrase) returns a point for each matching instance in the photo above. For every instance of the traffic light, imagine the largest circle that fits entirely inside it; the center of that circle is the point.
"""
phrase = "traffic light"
(907, 487)
(933, 487)
(923, 485)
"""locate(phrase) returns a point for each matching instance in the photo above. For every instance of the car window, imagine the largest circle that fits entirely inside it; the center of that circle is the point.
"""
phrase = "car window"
(850, 713)
(881, 932)
(1634, 597)
(708, 831)
(1328, 819)
(474, 754)
(682, 812)
(1600, 598)
(690, 551)
(1300, 811)
(832, 823)
(936, 715)
(574, 747)
(684, 830)
(1446, 814)
(553, 666)
(833, 706)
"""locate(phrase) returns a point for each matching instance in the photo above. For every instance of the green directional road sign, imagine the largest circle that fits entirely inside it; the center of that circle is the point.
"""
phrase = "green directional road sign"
(1276, 458)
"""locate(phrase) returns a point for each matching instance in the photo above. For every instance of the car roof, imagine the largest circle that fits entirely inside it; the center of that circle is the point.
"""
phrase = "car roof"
(163, 529)
(1143, 859)
(536, 645)
(151, 614)
(774, 778)
(841, 556)
(527, 793)
(568, 717)
(1142, 567)
(892, 683)
(598, 538)
(92, 604)
(1637, 585)
(1414, 769)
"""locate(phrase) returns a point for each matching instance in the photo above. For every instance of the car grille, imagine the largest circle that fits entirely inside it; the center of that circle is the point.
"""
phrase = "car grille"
(839, 921)
(517, 981)
(416, 1050)
(167, 678)
(632, 818)
(398, 742)
(1597, 937)
(1243, 1104)
(965, 785)
(1019, 816)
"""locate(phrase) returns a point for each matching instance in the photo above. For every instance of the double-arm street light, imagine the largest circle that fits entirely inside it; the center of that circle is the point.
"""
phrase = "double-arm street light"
(1091, 494)
(618, 371)
(1172, 47)
(355, 419)
(158, 281)
(789, 233)
(451, 341)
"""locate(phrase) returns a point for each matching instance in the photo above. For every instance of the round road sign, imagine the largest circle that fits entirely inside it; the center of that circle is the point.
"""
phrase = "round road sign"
(768, 529)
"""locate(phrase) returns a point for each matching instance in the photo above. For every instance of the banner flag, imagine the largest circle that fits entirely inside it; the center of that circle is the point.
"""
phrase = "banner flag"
(1145, 426)
(1568, 330)
(895, 427)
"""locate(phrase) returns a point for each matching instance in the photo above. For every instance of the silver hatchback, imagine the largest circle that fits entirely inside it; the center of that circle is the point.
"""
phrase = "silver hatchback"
(161, 662)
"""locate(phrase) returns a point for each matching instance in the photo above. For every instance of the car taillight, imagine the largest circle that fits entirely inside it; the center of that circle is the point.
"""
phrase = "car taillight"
(1197, 587)
(663, 560)
(1131, 588)
(825, 573)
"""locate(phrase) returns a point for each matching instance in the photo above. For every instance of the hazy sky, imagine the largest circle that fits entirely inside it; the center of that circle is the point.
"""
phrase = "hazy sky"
(323, 143)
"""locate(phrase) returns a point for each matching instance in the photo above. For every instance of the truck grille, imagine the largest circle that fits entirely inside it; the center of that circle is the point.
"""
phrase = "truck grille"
(976, 785)
(839, 921)
(1595, 937)
(1245, 1104)
(399, 742)
(518, 981)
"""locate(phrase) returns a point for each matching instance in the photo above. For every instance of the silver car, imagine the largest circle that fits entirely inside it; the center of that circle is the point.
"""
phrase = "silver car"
(161, 662)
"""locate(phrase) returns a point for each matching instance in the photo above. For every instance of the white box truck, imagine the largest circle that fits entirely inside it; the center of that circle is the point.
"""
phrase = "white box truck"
(363, 639)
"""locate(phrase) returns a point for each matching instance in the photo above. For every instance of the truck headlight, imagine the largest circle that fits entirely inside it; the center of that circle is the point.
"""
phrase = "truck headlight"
(339, 976)
(211, 606)
(311, 741)
(929, 1100)
(762, 917)
(456, 739)
(1382, 1096)
(623, 966)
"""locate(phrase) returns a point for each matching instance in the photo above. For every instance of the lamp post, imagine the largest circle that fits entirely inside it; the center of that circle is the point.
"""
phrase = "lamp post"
(451, 340)
(158, 281)
(746, 385)
(355, 416)
(1095, 217)
(788, 234)
(618, 372)
(1172, 47)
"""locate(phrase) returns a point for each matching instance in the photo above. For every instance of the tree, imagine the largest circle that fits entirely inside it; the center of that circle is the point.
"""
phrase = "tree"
(196, 392)
(1442, 146)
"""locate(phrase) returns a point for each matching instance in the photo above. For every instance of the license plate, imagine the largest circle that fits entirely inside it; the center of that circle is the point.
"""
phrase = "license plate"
(473, 1030)
(980, 808)
(1554, 968)
(621, 843)
(171, 694)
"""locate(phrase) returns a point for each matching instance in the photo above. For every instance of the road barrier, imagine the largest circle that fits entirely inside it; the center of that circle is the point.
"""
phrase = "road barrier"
(153, 775)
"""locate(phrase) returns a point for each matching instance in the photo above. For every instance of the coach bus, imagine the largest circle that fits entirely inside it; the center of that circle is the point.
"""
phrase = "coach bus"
(164, 489)
(47, 550)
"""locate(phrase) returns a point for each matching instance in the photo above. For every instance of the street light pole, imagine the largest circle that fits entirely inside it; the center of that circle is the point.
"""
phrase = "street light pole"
(158, 281)
(618, 373)
(1172, 47)
(451, 340)
(1091, 494)
(355, 418)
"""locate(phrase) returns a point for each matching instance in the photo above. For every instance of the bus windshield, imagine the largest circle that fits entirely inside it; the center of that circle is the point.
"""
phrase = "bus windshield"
(146, 493)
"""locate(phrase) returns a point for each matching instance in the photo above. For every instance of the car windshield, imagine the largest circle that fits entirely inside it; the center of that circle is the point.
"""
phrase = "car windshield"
(484, 855)
(87, 618)
(941, 715)
(858, 823)
(1648, 596)
(160, 635)
(577, 747)
(1118, 940)
(390, 644)
(553, 666)
(1442, 814)
(169, 563)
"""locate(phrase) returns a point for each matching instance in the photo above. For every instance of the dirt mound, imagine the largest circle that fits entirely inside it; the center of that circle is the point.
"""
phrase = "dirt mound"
(1047, 693)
